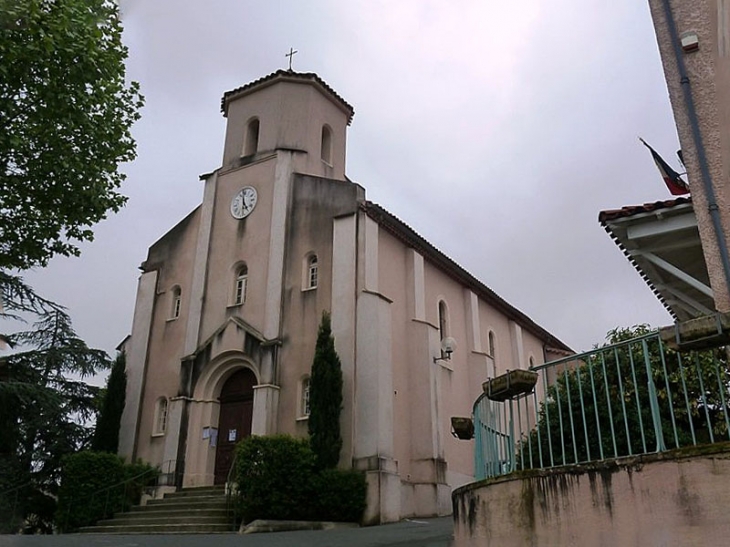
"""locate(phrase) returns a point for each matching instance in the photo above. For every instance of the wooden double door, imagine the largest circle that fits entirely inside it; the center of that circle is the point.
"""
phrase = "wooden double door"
(234, 423)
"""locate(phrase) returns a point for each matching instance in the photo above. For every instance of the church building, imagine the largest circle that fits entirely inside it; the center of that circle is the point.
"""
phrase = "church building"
(230, 299)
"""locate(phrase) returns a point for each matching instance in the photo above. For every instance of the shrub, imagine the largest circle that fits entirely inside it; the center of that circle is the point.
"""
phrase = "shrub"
(94, 485)
(82, 475)
(274, 478)
(340, 495)
(278, 479)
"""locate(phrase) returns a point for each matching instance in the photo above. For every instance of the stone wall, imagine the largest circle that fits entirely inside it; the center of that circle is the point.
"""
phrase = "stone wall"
(676, 498)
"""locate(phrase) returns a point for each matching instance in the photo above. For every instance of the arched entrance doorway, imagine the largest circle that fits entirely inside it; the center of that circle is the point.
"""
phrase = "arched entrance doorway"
(234, 423)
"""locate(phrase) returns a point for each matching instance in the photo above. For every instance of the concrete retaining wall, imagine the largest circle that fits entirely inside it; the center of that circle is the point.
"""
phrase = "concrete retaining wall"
(676, 498)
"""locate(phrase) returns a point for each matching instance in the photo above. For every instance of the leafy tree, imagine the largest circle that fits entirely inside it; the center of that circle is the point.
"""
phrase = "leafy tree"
(603, 399)
(325, 398)
(46, 408)
(106, 433)
(66, 116)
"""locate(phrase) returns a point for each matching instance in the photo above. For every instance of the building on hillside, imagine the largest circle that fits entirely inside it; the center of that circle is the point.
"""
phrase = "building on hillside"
(230, 299)
(680, 246)
(662, 241)
(694, 44)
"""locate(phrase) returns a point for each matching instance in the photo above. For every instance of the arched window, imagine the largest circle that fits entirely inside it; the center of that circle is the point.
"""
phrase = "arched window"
(239, 291)
(304, 402)
(160, 424)
(443, 320)
(251, 142)
(312, 272)
(326, 144)
(176, 302)
(532, 362)
(492, 348)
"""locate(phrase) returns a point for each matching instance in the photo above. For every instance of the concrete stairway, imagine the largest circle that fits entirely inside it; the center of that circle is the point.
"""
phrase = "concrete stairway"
(189, 511)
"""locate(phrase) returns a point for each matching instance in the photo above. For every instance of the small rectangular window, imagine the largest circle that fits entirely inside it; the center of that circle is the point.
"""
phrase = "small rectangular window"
(312, 272)
(241, 290)
(161, 416)
(305, 397)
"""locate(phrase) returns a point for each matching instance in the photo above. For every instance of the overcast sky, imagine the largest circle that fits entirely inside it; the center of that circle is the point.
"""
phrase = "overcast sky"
(497, 130)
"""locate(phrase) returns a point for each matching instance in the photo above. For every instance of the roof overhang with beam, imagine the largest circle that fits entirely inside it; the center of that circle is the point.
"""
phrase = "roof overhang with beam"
(663, 243)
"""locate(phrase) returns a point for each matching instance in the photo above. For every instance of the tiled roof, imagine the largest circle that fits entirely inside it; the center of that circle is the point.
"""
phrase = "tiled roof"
(291, 76)
(631, 210)
(408, 235)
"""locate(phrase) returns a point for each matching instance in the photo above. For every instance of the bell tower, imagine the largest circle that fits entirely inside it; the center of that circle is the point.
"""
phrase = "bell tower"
(290, 111)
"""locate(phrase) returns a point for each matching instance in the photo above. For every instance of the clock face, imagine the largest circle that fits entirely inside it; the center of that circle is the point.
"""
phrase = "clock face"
(243, 202)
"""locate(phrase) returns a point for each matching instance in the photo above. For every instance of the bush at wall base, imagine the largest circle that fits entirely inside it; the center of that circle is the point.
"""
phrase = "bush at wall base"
(95, 485)
(278, 479)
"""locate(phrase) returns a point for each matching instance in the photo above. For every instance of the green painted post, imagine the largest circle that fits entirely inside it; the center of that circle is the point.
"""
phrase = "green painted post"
(670, 400)
(622, 396)
(608, 403)
(636, 392)
(653, 402)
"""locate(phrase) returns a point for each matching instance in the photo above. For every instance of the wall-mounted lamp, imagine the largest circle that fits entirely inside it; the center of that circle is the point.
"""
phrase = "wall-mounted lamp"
(448, 346)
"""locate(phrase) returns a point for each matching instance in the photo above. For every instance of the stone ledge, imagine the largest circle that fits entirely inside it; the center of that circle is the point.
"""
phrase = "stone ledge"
(721, 450)
(709, 331)
(260, 525)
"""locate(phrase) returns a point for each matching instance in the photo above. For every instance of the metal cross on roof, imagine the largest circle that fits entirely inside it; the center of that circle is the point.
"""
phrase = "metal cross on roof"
(291, 54)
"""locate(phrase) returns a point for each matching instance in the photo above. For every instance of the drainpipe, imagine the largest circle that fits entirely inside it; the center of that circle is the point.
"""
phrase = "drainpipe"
(697, 137)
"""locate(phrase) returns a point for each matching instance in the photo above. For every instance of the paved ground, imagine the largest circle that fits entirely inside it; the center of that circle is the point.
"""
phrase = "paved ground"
(409, 533)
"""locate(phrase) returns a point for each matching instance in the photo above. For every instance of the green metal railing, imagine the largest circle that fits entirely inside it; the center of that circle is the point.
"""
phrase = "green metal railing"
(11, 512)
(119, 497)
(634, 397)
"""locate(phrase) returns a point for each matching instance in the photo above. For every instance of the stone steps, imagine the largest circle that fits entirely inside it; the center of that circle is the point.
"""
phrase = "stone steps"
(149, 529)
(188, 511)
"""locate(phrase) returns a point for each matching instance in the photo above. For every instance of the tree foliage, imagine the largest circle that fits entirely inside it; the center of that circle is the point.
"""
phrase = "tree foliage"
(106, 432)
(602, 403)
(66, 115)
(46, 410)
(325, 398)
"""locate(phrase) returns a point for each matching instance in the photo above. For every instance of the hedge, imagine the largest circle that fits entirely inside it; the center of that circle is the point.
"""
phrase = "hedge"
(278, 479)
(85, 496)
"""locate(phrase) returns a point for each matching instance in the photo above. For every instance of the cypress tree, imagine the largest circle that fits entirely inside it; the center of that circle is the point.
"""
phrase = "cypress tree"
(106, 434)
(325, 398)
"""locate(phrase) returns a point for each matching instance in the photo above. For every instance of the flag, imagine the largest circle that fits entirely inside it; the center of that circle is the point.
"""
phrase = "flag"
(675, 183)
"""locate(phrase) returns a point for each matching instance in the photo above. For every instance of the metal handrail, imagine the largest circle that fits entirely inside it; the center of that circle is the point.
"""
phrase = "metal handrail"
(23, 485)
(630, 398)
(229, 490)
(107, 490)
(17, 489)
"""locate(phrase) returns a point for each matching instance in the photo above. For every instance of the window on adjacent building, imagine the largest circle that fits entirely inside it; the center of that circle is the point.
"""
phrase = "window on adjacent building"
(251, 142)
(532, 362)
(443, 320)
(327, 144)
(160, 416)
(304, 404)
(312, 273)
(239, 291)
(176, 303)
(491, 345)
